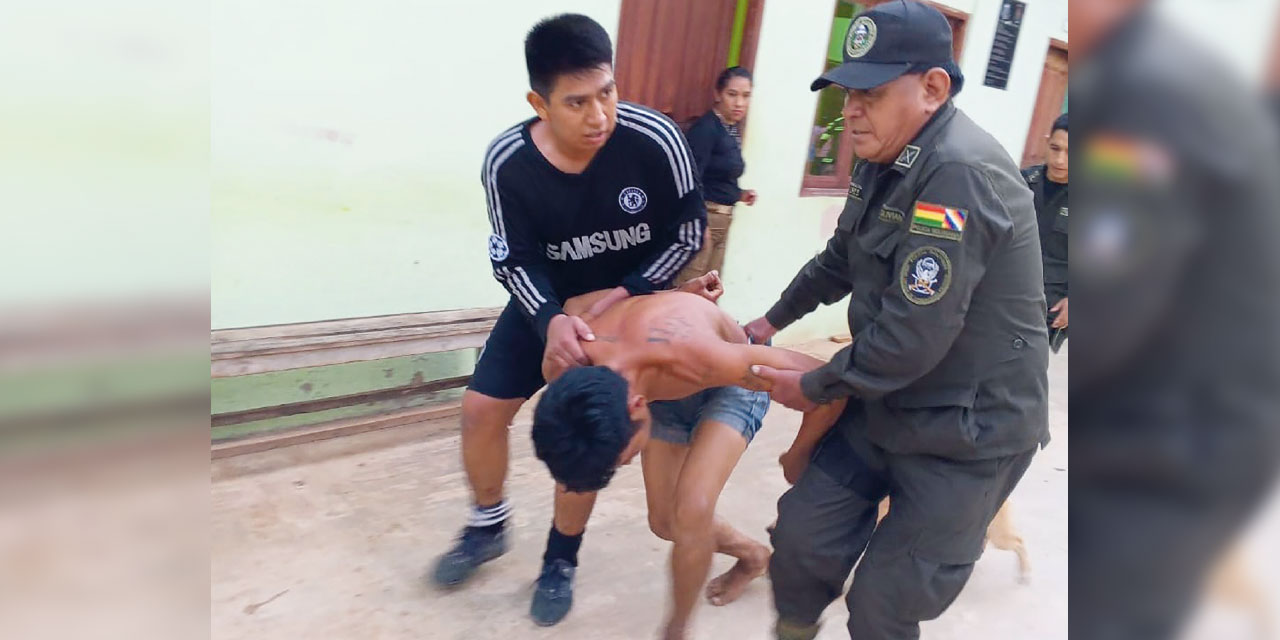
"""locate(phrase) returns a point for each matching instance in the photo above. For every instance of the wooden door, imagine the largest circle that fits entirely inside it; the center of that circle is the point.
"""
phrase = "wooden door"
(670, 52)
(1049, 104)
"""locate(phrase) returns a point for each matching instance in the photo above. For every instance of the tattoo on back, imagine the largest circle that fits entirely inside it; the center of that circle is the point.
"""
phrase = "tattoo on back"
(670, 329)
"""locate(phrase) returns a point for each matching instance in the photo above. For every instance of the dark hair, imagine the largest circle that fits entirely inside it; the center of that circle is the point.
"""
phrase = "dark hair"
(952, 69)
(567, 43)
(1059, 123)
(581, 426)
(725, 76)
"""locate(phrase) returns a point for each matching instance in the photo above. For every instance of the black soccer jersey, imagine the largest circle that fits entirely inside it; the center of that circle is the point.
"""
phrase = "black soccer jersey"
(633, 218)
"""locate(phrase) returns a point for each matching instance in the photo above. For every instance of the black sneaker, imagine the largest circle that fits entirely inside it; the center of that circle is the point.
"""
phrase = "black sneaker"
(554, 597)
(475, 547)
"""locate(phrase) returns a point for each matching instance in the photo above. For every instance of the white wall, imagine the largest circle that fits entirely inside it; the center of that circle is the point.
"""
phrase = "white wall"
(347, 139)
(770, 241)
(1006, 113)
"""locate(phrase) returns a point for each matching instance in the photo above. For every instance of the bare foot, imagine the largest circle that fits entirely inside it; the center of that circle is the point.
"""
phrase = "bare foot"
(673, 631)
(726, 587)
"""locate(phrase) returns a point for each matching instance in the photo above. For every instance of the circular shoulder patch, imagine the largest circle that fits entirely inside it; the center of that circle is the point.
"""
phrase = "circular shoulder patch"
(632, 200)
(498, 250)
(926, 275)
(861, 37)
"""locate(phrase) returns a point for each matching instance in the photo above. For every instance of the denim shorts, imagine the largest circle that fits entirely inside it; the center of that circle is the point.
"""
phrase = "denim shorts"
(742, 409)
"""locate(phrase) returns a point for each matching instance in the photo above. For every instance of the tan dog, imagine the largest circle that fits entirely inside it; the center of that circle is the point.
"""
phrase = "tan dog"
(1231, 583)
(1000, 533)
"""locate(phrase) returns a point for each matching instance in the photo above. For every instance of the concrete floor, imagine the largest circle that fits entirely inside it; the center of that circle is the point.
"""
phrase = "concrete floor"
(333, 539)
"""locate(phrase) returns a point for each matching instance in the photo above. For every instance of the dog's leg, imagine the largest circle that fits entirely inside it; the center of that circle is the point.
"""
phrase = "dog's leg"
(1002, 535)
(1232, 583)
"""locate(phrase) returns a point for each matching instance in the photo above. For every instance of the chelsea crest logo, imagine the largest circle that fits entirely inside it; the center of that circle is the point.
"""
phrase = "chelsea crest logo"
(498, 250)
(862, 35)
(632, 200)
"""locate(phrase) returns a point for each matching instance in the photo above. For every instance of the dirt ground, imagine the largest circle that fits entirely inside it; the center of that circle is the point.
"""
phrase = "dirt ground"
(334, 539)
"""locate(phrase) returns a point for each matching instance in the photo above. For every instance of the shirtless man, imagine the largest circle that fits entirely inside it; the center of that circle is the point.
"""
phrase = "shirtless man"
(688, 358)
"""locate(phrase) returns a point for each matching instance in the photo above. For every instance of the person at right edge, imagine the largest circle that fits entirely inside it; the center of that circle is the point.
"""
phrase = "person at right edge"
(1048, 184)
(946, 377)
(1175, 370)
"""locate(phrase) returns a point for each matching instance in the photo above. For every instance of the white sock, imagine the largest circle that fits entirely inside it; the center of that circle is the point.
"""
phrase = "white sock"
(488, 516)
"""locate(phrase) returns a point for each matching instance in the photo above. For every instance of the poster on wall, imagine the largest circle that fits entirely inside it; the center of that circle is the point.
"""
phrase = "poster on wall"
(1006, 41)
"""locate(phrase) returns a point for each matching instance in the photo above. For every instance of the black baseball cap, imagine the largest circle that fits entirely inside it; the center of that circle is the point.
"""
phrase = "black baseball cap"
(889, 40)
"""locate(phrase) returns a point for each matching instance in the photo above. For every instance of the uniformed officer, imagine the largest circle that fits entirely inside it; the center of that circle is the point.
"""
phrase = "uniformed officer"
(1048, 184)
(946, 374)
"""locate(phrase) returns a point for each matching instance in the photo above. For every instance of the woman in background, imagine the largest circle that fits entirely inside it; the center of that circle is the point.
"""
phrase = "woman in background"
(716, 142)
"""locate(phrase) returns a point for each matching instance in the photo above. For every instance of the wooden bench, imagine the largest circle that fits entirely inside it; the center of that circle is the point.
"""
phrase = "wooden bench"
(240, 352)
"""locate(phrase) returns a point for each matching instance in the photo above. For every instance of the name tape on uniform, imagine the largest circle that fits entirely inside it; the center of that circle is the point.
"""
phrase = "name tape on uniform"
(891, 215)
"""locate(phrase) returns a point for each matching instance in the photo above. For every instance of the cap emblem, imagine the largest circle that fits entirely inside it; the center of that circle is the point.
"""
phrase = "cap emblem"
(861, 37)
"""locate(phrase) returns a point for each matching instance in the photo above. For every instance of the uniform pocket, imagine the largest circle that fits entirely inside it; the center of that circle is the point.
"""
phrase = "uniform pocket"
(926, 420)
(932, 397)
(880, 236)
(950, 547)
(853, 208)
(955, 530)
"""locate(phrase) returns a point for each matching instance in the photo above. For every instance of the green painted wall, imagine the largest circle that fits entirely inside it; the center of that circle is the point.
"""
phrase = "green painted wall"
(739, 29)
(346, 148)
(345, 168)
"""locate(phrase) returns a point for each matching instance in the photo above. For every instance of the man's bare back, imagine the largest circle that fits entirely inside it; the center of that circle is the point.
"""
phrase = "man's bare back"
(674, 344)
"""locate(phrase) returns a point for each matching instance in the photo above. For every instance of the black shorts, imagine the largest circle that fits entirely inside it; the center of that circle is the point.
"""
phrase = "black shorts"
(510, 364)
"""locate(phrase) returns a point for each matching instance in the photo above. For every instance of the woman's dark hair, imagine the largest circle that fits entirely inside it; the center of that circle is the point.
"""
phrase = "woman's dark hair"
(725, 76)
(1060, 123)
(581, 426)
(567, 43)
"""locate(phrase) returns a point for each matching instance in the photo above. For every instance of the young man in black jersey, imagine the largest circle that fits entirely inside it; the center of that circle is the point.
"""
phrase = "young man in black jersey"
(591, 194)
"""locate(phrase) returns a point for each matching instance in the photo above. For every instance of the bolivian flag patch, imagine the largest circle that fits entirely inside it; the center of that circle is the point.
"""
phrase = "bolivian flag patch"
(937, 221)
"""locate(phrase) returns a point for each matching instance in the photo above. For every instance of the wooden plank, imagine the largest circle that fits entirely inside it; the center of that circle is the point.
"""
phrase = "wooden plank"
(350, 325)
(230, 366)
(265, 346)
(325, 404)
(335, 429)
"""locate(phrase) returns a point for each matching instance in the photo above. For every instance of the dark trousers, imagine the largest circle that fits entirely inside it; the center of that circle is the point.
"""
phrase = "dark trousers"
(916, 561)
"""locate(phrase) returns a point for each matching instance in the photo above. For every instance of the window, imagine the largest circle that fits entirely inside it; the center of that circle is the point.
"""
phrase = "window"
(830, 160)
